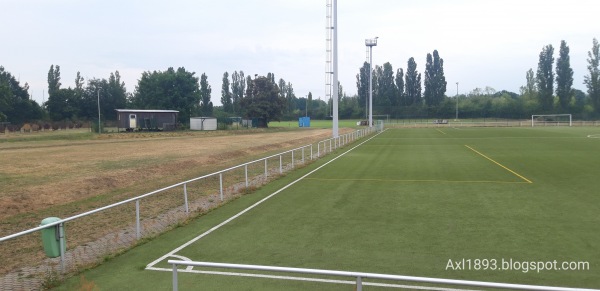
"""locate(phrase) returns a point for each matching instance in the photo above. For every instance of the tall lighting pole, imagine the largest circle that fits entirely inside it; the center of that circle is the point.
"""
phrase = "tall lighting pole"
(456, 118)
(370, 43)
(334, 82)
(99, 130)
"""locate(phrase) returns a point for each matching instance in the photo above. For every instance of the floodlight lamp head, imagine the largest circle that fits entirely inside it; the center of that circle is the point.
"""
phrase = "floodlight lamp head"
(371, 42)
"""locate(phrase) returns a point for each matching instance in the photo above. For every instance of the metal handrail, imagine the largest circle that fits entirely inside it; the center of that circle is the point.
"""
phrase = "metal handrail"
(360, 275)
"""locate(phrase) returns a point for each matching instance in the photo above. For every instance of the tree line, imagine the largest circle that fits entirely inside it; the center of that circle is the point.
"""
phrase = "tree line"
(399, 94)
(548, 90)
(177, 89)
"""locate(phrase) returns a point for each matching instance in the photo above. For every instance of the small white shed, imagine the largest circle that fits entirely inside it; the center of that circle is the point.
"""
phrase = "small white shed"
(203, 123)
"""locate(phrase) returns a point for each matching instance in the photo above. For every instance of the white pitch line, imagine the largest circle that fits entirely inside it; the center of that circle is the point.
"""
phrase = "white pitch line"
(149, 266)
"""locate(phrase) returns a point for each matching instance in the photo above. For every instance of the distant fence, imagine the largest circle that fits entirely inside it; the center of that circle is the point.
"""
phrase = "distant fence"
(161, 214)
(480, 122)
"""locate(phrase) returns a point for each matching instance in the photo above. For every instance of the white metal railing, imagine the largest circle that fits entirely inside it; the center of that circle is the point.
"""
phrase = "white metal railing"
(359, 276)
(333, 144)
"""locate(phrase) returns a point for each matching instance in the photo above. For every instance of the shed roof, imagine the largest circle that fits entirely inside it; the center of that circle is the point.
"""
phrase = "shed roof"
(146, 111)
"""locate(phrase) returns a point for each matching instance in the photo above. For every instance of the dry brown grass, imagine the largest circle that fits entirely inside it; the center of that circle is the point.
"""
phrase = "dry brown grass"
(41, 178)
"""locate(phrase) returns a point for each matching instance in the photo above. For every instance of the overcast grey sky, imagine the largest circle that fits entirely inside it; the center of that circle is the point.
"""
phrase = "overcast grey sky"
(483, 43)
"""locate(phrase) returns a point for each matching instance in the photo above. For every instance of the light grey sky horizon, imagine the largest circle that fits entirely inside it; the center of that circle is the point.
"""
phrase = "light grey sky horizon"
(483, 43)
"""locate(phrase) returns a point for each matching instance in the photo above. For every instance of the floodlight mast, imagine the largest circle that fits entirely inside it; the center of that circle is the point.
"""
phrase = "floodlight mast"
(335, 72)
(370, 43)
(331, 62)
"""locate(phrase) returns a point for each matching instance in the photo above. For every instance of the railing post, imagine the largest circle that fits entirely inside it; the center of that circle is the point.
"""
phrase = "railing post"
(280, 164)
(266, 171)
(137, 219)
(311, 152)
(303, 155)
(175, 285)
(330, 145)
(318, 149)
(221, 184)
(61, 238)
(246, 173)
(185, 198)
(292, 159)
(358, 284)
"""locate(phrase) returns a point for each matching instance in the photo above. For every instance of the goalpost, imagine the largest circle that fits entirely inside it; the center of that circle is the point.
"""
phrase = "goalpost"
(551, 120)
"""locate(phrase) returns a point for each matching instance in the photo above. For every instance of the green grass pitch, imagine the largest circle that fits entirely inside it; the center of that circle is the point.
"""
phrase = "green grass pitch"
(406, 202)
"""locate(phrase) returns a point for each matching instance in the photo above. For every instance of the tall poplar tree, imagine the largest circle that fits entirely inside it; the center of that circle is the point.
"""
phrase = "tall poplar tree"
(53, 79)
(435, 81)
(412, 83)
(545, 78)
(592, 81)
(238, 85)
(362, 84)
(206, 106)
(564, 77)
(400, 86)
(226, 99)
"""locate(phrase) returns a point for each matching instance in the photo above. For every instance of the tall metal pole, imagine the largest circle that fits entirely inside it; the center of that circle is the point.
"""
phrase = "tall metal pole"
(335, 72)
(99, 130)
(456, 118)
(370, 43)
(370, 86)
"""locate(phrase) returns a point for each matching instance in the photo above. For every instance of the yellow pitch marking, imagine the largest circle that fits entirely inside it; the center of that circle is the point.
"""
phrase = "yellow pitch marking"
(504, 167)
(415, 181)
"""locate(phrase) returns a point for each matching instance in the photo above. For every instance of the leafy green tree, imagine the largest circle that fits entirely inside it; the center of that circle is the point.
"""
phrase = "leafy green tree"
(435, 81)
(362, 84)
(309, 108)
(206, 106)
(386, 87)
(564, 76)
(61, 105)
(115, 98)
(290, 98)
(264, 101)
(238, 85)
(15, 103)
(545, 78)
(529, 90)
(53, 79)
(592, 80)
(226, 96)
(95, 89)
(412, 83)
(249, 87)
(174, 90)
(400, 87)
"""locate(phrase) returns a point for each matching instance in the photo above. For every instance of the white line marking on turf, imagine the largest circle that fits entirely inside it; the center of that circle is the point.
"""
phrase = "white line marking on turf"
(251, 207)
(593, 136)
(413, 287)
(188, 268)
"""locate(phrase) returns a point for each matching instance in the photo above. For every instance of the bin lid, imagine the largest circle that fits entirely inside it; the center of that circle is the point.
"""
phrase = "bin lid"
(49, 220)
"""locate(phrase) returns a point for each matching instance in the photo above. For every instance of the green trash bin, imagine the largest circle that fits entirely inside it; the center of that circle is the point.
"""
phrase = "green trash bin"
(51, 238)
